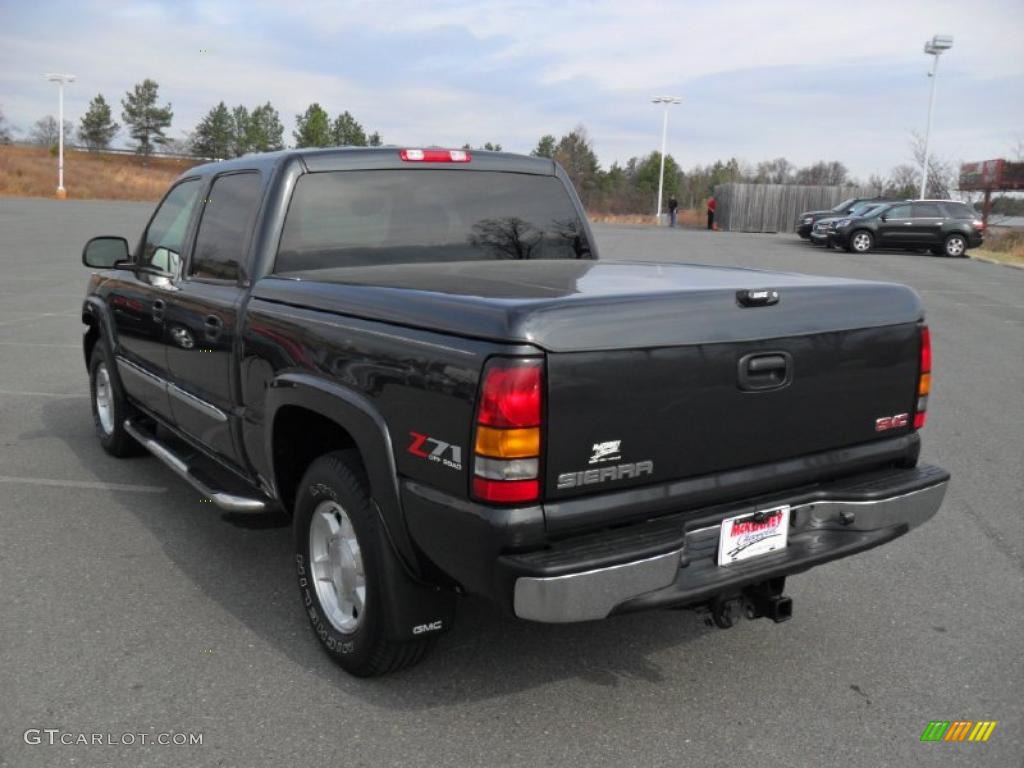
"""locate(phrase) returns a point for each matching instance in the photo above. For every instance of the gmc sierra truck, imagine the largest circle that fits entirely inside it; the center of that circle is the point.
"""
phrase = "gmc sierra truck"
(418, 355)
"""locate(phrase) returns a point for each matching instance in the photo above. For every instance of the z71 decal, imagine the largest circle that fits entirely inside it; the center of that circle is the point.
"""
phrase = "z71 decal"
(432, 449)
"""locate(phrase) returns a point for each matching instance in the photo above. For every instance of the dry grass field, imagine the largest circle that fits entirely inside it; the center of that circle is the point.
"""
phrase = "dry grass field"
(27, 171)
(1005, 245)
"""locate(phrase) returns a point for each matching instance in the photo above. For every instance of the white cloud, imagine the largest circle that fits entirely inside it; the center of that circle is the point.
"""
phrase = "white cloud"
(800, 78)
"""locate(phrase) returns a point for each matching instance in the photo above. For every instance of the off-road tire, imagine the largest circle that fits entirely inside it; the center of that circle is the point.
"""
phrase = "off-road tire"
(338, 480)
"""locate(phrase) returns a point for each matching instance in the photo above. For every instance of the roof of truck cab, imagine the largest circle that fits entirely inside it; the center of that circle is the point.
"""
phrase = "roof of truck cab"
(374, 158)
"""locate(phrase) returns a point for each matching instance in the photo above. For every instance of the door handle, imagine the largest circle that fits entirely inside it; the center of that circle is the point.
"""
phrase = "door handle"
(158, 310)
(908, 223)
(213, 326)
(763, 371)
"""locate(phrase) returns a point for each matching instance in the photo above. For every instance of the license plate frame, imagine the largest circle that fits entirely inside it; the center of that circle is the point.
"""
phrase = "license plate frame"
(768, 532)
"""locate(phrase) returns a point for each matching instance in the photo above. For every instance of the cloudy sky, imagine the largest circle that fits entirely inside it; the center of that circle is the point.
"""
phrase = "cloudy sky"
(805, 80)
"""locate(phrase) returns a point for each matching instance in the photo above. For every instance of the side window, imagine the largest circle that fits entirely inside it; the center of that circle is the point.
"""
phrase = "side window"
(228, 217)
(927, 211)
(959, 211)
(898, 212)
(161, 247)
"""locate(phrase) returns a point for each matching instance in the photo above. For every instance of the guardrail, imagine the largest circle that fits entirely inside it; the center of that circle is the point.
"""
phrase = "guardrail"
(114, 151)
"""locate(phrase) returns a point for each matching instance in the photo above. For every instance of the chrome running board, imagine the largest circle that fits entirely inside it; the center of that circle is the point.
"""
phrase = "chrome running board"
(180, 467)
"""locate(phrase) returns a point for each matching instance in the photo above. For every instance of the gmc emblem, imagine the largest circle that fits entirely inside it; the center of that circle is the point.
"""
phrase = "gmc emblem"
(892, 422)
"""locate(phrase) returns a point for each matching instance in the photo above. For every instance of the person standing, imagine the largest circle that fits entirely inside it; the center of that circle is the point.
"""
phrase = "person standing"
(673, 204)
(711, 212)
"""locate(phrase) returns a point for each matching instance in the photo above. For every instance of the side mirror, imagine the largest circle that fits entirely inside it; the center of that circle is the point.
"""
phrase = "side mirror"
(105, 252)
(883, 217)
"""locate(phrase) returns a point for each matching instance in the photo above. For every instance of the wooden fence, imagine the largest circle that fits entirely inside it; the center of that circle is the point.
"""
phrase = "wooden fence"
(774, 207)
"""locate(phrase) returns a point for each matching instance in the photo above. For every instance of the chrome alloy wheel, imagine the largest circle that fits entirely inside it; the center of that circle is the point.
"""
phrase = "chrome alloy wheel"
(104, 399)
(955, 246)
(861, 242)
(337, 566)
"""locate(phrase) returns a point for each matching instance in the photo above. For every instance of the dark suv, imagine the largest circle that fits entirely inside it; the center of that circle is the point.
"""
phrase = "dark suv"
(805, 221)
(945, 227)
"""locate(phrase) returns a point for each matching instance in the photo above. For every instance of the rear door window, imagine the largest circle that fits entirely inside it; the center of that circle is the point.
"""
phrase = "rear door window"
(959, 211)
(224, 230)
(926, 211)
(356, 218)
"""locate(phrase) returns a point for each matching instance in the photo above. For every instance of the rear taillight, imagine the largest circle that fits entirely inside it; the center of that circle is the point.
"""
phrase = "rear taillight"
(506, 454)
(435, 155)
(924, 378)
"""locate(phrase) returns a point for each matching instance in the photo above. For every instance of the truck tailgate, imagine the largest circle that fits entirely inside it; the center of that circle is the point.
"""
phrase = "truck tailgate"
(621, 418)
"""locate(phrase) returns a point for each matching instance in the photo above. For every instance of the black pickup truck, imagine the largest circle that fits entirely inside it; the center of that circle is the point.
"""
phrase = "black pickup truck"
(418, 355)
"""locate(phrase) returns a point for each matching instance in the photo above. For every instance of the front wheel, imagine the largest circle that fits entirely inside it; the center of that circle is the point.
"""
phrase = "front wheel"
(955, 246)
(861, 241)
(110, 409)
(340, 554)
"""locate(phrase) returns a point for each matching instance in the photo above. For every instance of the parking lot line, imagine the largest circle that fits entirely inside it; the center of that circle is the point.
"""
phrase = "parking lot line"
(84, 484)
(38, 344)
(29, 318)
(16, 393)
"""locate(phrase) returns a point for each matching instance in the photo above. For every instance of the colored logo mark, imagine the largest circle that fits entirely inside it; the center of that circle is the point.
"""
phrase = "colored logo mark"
(958, 730)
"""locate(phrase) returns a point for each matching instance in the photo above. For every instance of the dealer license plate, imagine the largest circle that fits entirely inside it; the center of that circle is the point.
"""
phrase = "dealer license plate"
(752, 534)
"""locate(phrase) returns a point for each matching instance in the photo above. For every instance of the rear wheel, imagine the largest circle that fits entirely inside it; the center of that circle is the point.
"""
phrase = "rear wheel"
(955, 246)
(340, 556)
(861, 241)
(110, 409)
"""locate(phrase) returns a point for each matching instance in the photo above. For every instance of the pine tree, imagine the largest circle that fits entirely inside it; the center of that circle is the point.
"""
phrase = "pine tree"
(545, 147)
(375, 140)
(96, 129)
(575, 154)
(347, 132)
(5, 129)
(214, 136)
(241, 131)
(266, 134)
(145, 120)
(313, 128)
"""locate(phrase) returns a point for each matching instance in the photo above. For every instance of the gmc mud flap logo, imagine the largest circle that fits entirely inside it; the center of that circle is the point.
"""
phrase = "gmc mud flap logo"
(433, 626)
(605, 474)
(432, 449)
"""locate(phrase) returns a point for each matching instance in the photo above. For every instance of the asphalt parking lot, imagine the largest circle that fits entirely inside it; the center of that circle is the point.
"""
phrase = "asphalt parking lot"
(128, 606)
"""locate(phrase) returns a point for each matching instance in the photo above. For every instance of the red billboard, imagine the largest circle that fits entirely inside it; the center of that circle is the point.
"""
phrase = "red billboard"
(992, 175)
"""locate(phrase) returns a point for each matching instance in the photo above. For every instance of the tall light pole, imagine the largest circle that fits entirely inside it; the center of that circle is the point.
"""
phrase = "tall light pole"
(667, 101)
(61, 81)
(934, 48)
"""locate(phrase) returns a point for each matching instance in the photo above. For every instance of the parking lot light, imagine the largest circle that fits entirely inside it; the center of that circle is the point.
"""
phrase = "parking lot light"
(667, 101)
(933, 48)
(61, 80)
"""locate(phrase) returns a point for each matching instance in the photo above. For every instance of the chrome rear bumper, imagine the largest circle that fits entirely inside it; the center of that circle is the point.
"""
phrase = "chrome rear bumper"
(820, 531)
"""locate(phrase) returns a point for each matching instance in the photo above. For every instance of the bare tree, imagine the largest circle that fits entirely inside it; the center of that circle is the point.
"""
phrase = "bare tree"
(904, 181)
(777, 171)
(46, 131)
(941, 172)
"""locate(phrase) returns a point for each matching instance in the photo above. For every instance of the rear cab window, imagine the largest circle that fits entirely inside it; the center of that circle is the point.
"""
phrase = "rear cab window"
(358, 218)
(226, 226)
